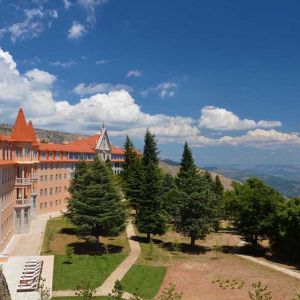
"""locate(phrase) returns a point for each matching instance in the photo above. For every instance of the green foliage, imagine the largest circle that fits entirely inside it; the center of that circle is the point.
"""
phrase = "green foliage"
(259, 292)
(150, 216)
(194, 209)
(229, 283)
(117, 292)
(252, 207)
(170, 293)
(285, 239)
(218, 187)
(43, 290)
(69, 253)
(197, 215)
(186, 177)
(173, 201)
(85, 291)
(95, 206)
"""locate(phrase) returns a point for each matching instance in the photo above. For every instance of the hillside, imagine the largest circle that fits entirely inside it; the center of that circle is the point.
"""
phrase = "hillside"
(172, 168)
(47, 136)
(285, 179)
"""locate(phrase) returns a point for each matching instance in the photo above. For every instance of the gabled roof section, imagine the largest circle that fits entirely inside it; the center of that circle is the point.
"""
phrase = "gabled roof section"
(20, 131)
(117, 150)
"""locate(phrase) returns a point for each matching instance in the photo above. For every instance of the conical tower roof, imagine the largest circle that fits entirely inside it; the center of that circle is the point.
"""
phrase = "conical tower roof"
(31, 133)
(20, 132)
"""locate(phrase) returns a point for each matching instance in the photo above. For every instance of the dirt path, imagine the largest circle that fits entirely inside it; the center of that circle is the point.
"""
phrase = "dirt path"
(118, 273)
(272, 266)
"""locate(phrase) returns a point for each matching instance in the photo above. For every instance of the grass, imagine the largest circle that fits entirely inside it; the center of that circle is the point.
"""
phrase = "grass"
(89, 260)
(144, 279)
(94, 268)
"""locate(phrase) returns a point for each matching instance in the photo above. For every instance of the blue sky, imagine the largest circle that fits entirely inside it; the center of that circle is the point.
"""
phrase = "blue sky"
(223, 75)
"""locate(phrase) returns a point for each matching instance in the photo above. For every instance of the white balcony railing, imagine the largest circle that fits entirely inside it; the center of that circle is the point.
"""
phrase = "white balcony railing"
(24, 202)
(23, 181)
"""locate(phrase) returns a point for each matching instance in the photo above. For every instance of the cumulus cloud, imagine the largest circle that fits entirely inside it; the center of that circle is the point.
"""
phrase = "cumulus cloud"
(262, 137)
(216, 118)
(35, 22)
(76, 31)
(117, 107)
(83, 89)
(165, 89)
(67, 4)
(134, 73)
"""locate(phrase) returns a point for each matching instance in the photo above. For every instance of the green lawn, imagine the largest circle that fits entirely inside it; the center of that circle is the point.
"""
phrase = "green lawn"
(94, 268)
(144, 279)
(89, 261)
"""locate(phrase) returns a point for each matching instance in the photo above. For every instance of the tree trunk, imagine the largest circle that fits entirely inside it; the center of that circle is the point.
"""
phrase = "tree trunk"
(148, 237)
(193, 240)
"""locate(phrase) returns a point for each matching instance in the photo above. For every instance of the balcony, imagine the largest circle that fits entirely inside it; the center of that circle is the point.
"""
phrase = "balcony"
(34, 176)
(22, 203)
(23, 181)
(34, 192)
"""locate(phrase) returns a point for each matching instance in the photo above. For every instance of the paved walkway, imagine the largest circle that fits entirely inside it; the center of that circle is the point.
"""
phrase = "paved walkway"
(29, 244)
(272, 266)
(118, 273)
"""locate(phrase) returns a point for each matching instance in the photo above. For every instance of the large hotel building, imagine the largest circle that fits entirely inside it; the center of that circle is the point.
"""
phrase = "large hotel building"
(35, 177)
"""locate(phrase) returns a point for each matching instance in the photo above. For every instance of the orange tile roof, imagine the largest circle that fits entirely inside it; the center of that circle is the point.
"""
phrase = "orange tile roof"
(21, 132)
(117, 150)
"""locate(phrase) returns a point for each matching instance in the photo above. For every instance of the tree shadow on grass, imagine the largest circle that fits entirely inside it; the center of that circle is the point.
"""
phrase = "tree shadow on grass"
(185, 248)
(91, 248)
(68, 231)
(144, 240)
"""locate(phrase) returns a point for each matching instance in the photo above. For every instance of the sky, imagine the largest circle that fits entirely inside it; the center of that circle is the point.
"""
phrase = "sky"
(222, 75)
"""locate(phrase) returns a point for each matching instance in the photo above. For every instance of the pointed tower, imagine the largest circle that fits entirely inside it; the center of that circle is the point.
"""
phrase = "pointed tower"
(20, 132)
(31, 133)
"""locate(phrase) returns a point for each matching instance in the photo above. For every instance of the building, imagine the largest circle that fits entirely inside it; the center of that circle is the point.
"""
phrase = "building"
(35, 177)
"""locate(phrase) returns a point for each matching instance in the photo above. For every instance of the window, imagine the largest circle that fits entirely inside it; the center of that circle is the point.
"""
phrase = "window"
(27, 152)
(57, 155)
(19, 152)
(43, 154)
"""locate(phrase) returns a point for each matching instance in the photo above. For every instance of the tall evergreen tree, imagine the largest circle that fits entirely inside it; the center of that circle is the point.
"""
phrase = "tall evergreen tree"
(96, 207)
(188, 171)
(130, 157)
(150, 217)
(197, 215)
(218, 186)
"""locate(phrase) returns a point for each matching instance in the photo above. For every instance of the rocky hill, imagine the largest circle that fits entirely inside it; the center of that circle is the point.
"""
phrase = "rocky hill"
(47, 136)
(172, 168)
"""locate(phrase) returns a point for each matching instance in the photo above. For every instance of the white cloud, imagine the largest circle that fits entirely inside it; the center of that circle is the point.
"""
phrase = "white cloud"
(40, 77)
(35, 22)
(165, 89)
(67, 4)
(89, 6)
(216, 118)
(262, 137)
(116, 107)
(63, 64)
(134, 73)
(102, 62)
(76, 31)
(83, 89)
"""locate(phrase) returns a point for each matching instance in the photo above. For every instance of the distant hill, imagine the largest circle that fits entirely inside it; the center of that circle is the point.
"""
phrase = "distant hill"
(47, 136)
(172, 168)
(285, 179)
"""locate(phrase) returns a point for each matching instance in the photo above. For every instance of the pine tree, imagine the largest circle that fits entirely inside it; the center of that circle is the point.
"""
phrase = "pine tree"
(130, 159)
(96, 207)
(186, 177)
(218, 187)
(150, 217)
(209, 179)
(197, 215)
